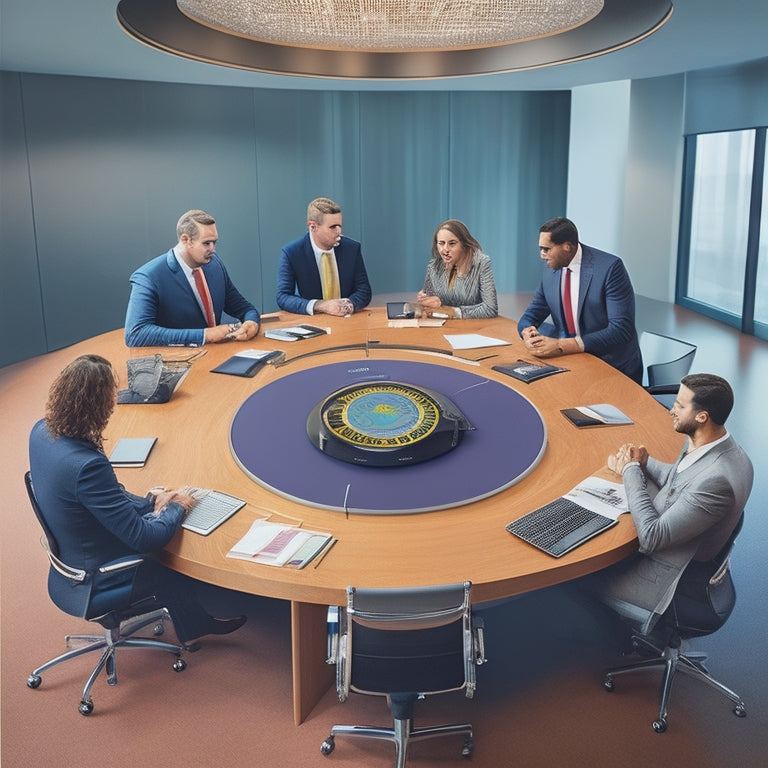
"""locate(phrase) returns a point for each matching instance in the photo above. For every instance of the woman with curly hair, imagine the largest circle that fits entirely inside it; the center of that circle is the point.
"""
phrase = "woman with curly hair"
(93, 517)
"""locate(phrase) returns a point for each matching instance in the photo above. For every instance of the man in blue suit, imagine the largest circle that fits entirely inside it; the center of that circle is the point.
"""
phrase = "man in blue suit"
(322, 271)
(178, 298)
(601, 320)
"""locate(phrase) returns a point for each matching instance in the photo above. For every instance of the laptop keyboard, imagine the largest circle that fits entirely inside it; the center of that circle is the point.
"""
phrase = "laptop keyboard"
(552, 527)
(211, 510)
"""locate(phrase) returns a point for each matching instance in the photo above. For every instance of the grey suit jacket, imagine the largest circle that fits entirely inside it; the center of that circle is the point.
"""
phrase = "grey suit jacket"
(690, 517)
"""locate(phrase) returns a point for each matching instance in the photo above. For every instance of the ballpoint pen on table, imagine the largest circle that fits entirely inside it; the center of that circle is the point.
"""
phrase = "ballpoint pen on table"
(327, 549)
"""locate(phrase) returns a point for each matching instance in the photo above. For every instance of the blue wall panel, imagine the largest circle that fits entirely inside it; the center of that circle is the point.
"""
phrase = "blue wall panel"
(22, 321)
(405, 175)
(101, 170)
(509, 166)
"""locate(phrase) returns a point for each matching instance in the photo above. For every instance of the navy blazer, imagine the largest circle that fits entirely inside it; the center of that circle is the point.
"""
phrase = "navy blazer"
(298, 278)
(94, 519)
(163, 309)
(605, 311)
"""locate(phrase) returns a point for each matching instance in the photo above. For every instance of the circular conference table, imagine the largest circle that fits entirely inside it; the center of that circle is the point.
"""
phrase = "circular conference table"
(463, 542)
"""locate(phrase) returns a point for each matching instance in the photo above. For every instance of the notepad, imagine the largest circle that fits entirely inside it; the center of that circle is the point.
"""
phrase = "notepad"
(473, 341)
(280, 545)
(131, 451)
(600, 415)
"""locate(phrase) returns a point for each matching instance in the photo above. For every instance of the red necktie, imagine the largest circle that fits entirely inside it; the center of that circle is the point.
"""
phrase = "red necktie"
(567, 307)
(205, 296)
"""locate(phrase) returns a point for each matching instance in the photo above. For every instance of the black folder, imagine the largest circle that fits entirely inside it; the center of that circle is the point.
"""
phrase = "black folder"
(244, 365)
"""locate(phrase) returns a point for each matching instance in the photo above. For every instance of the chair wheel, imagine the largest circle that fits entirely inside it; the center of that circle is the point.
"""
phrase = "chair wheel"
(85, 707)
(33, 681)
(466, 750)
(739, 710)
(608, 684)
(179, 665)
(328, 746)
(660, 725)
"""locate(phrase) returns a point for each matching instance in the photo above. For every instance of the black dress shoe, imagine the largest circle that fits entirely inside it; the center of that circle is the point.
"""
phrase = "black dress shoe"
(225, 626)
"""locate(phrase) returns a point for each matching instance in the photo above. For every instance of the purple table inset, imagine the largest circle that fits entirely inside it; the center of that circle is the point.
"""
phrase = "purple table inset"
(269, 441)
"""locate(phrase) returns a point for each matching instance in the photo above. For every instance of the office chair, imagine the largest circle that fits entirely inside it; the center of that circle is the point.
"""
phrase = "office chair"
(666, 361)
(106, 602)
(405, 644)
(703, 600)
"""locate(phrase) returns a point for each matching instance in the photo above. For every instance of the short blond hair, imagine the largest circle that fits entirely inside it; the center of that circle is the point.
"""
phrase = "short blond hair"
(321, 206)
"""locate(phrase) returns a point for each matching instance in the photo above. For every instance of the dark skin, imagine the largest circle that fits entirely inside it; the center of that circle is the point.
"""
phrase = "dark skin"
(557, 256)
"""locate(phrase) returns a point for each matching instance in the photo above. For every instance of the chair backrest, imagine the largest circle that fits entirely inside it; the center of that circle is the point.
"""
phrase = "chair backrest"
(705, 595)
(666, 359)
(407, 640)
(51, 546)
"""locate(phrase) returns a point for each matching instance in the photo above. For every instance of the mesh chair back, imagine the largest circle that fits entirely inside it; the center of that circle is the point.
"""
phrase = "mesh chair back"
(409, 640)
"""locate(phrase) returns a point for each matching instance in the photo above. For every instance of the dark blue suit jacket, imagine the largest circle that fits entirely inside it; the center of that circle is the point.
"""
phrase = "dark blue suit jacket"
(94, 519)
(606, 310)
(163, 309)
(298, 278)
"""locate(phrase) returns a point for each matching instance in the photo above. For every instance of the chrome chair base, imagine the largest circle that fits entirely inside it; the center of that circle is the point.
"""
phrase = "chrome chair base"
(673, 660)
(108, 643)
(402, 735)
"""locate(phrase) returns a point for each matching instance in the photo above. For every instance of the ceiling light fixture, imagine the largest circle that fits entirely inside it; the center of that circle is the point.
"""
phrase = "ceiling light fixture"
(391, 25)
(390, 39)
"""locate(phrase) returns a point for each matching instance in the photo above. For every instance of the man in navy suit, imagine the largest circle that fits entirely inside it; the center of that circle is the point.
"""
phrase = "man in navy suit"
(601, 297)
(302, 285)
(178, 298)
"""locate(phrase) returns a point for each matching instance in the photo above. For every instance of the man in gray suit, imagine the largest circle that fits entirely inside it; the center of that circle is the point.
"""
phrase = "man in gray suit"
(683, 511)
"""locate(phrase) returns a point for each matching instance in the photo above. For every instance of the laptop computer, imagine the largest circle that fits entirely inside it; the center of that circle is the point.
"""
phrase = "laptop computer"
(212, 509)
(560, 526)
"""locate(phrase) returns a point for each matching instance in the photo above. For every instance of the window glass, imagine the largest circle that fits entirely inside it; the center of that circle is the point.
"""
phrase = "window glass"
(720, 219)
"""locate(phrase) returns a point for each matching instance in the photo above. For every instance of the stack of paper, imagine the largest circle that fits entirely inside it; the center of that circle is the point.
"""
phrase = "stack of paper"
(278, 544)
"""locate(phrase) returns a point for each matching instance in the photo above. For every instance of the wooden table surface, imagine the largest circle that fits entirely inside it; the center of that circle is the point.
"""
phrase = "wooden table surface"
(468, 542)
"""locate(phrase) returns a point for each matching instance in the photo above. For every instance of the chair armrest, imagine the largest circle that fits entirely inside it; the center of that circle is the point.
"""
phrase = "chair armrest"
(333, 635)
(663, 389)
(78, 575)
(121, 564)
(478, 639)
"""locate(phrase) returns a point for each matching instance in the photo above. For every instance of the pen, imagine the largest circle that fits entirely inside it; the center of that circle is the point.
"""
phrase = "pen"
(328, 548)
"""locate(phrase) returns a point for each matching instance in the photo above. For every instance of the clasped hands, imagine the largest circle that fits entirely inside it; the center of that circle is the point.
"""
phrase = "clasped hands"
(627, 454)
(539, 345)
(337, 307)
(231, 332)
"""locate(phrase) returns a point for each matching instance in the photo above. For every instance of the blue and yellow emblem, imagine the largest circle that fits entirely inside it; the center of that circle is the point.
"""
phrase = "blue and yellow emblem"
(385, 424)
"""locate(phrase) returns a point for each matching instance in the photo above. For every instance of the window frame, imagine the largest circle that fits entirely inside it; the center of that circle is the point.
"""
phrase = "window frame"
(746, 321)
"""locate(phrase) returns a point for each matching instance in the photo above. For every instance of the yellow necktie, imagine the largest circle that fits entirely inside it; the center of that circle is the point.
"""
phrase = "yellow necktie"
(329, 277)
